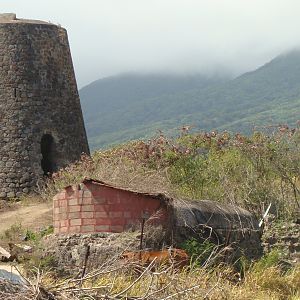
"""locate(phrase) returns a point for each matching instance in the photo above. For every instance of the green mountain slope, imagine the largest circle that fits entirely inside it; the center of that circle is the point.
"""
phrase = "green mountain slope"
(268, 95)
(107, 103)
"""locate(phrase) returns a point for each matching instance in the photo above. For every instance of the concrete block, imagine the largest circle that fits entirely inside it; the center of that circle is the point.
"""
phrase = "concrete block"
(117, 228)
(87, 228)
(102, 228)
(87, 214)
(74, 208)
(87, 207)
(101, 214)
(115, 214)
(75, 222)
(73, 201)
(74, 215)
(88, 222)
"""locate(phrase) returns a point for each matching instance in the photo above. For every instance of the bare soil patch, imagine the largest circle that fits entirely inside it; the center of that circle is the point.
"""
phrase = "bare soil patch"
(31, 216)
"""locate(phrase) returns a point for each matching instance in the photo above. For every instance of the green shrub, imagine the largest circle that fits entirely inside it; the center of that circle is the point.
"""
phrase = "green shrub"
(198, 252)
(269, 260)
(36, 236)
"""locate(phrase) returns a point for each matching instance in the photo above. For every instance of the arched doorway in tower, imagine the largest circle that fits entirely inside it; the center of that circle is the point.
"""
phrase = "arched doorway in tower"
(48, 154)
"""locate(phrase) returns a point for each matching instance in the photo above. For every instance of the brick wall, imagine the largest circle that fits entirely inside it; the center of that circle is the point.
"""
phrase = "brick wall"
(93, 207)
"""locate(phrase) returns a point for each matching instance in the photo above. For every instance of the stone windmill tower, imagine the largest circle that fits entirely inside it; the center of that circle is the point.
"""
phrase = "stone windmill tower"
(41, 123)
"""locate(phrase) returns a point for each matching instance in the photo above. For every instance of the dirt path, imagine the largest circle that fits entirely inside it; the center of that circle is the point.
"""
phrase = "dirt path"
(31, 216)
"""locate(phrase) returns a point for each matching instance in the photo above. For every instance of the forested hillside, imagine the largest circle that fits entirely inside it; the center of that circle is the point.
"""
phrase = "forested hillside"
(127, 107)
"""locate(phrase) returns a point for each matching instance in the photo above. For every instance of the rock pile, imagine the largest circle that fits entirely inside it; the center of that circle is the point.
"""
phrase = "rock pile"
(73, 253)
(285, 237)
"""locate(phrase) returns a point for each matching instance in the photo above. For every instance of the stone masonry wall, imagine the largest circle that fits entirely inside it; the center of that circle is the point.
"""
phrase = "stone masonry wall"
(38, 96)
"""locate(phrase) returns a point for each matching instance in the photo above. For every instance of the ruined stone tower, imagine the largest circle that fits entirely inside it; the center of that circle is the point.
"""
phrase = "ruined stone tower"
(41, 123)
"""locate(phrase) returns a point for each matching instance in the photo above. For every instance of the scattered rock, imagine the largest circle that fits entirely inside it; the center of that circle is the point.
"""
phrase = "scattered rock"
(5, 256)
(19, 251)
(11, 274)
(284, 237)
(20, 248)
(69, 251)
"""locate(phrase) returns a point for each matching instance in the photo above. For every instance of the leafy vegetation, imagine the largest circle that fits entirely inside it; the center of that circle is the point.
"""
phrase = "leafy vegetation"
(37, 236)
(251, 171)
(198, 252)
(18, 232)
(129, 107)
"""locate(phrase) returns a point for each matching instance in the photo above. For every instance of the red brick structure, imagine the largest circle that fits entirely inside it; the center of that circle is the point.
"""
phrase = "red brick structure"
(94, 206)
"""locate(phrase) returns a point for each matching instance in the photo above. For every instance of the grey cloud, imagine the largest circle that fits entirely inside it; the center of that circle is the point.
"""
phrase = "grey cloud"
(114, 36)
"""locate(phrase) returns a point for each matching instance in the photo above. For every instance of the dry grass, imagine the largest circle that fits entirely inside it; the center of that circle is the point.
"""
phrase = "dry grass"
(116, 166)
(164, 283)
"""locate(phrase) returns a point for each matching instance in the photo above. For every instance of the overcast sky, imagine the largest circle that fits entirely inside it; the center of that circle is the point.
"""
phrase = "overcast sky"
(108, 37)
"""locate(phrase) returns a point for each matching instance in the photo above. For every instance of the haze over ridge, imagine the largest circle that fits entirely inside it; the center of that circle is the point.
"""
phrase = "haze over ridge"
(173, 36)
(131, 106)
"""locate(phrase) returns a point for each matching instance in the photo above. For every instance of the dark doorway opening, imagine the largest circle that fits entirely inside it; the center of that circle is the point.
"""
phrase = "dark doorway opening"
(48, 154)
